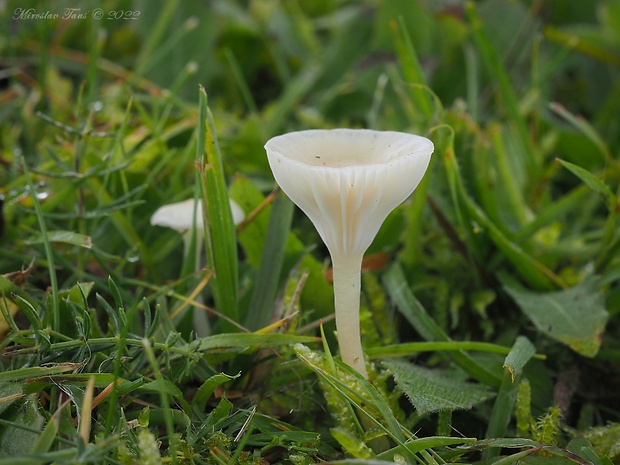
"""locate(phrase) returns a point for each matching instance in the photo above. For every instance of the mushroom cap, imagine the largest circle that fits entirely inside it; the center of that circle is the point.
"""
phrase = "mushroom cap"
(180, 215)
(237, 212)
(348, 180)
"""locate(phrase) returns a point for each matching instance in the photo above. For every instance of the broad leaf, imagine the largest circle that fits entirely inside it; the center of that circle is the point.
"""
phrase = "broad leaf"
(435, 390)
(575, 316)
(18, 436)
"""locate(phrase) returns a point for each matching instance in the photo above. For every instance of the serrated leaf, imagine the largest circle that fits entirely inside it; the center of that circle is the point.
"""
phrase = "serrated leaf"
(575, 316)
(434, 390)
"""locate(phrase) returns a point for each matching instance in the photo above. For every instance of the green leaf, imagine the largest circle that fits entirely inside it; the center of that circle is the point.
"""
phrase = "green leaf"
(550, 454)
(434, 390)
(31, 313)
(46, 439)
(22, 433)
(412, 348)
(575, 316)
(160, 416)
(585, 128)
(418, 445)
(268, 277)
(521, 353)
(507, 443)
(117, 322)
(65, 237)
(34, 372)
(52, 316)
(206, 390)
(493, 63)
(252, 236)
(501, 412)
(251, 340)
(594, 183)
(9, 393)
(503, 407)
(412, 68)
(116, 293)
(219, 413)
(78, 294)
(162, 386)
(41, 380)
(221, 242)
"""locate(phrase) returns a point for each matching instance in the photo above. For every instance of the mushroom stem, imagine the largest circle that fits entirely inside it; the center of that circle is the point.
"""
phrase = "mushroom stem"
(201, 321)
(347, 280)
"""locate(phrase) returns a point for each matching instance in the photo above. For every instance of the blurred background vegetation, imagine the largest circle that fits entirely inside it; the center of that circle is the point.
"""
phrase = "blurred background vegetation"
(514, 232)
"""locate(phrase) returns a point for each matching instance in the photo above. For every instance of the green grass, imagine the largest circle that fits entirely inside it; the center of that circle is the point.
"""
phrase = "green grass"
(490, 298)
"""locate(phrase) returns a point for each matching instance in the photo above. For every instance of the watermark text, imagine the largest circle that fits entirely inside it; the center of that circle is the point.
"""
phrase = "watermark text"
(32, 14)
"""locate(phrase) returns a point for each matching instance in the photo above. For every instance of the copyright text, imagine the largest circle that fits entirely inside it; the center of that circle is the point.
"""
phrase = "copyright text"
(73, 13)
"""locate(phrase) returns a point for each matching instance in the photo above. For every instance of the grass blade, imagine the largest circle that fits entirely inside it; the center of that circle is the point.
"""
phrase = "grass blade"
(412, 348)
(521, 352)
(411, 69)
(220, 230)
(596, 184)
(268, 276)
(33, 372)
(497, 72)
(54, 314)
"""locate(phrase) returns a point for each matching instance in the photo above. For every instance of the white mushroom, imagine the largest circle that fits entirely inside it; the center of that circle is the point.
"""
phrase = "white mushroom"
(180, 217)
(347, 181)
